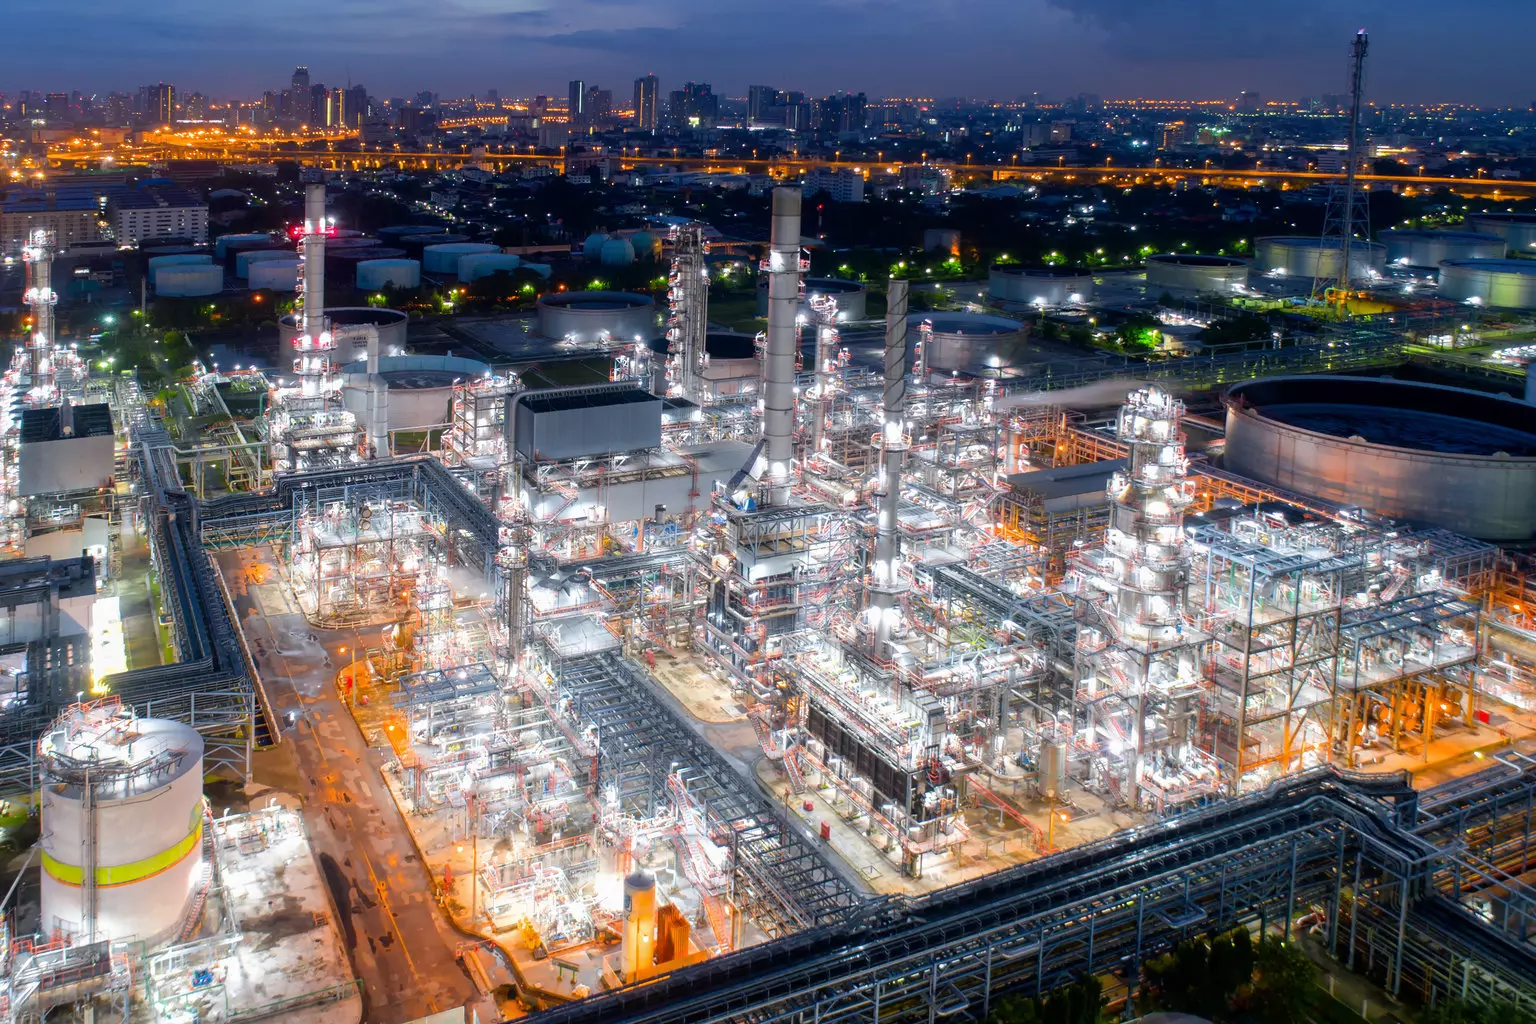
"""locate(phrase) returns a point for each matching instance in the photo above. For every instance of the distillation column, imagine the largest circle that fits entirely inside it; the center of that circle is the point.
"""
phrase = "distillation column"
(892, 442)
(827, 342)
(1145, 544)
(313, 343)
(779, 371)
(689, 319)
(40, 299)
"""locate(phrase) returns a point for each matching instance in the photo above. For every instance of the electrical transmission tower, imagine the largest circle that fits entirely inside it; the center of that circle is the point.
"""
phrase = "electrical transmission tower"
(1348, 210)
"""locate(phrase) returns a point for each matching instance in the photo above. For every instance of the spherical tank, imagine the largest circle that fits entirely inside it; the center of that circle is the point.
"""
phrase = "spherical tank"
(485, 264)
(444, 259)
(1176, 272)
(647, 246)
(617, 252)
(374, 275)
(189, 279)
(597, 317)
(347, 323)
(1502, 284)
(852, 297)
(1409, 248)
(592, 248)
(972, 343)
(1424, 453)
(1309, 258)
(275, 275)
(1038, 286)
(420, 388)
(1517, 229)
(140, 831)
(246, 257)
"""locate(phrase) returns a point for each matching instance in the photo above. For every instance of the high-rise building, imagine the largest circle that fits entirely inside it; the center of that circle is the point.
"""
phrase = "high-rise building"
(118, 107)
(597, 104)
(196, 107)
(645, 102)
(760, 100)
(356, 106)
(695, 105)
(336, 113)
(56, 106)
(158, 103)
(576, 102)
(844, 112)
(301, 103)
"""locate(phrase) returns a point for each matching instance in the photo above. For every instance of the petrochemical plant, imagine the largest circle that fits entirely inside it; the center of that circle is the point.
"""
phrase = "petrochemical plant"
(770, 680)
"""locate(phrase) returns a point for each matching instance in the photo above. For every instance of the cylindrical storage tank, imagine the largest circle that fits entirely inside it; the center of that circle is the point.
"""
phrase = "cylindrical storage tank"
(852, 297)
(484, 264)
(444, 259)
(375, 275)
(245, 257)
(637, 942)
(617, 252)
(1052, 780)
(189, 280)
(1517, 229)
(592, 248)
(1502, 284)
(415, 245)
(223, 242)
(973, 343)
(1039, 286)
(400, 232)
(1174, 272)
(235, 249)
(341, 267)
(185, 259)
(141, 827)
(1424, 453)
(274, 275)
(1409, 248)
(420, 388)
(1312, 258)
(346, 324)
(598, 317)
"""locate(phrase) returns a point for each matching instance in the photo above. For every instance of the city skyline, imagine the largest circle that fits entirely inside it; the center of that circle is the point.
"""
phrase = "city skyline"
(1189, 49)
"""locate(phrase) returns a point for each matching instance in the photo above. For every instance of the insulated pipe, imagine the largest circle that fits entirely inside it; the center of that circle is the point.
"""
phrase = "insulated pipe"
(378, 399)
(886, 584)
(779, 371)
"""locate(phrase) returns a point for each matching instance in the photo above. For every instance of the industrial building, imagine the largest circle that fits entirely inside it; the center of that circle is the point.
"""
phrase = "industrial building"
(949, 631)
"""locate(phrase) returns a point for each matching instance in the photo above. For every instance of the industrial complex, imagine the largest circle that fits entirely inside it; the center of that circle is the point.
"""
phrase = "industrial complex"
(867, 667)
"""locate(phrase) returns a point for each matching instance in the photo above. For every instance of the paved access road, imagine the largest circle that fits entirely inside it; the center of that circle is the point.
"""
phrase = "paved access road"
(399, 943)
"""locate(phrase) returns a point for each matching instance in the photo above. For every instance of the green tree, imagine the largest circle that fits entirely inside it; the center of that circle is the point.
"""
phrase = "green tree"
(1461, 1011)
(1285, 983)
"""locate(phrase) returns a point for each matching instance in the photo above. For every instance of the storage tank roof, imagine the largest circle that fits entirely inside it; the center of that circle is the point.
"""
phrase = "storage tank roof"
(1523, 267)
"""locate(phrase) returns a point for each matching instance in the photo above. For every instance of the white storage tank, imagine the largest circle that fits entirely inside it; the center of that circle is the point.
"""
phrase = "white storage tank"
(484, 264)
(1177, 272)
(444, 259)
(275, 275)
(1309, 258)
(420, 388)
(184, 280)
(186, 259)
(973, 343)
(123, 796)
(348, 327)
(1015, 287)
(244, 259)
(1412, 248)
(374, 275)
(1502, 284)
(598, 317)
(1517, 229)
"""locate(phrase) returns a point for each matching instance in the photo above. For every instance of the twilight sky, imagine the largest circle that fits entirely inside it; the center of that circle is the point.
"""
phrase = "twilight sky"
(1464, 50)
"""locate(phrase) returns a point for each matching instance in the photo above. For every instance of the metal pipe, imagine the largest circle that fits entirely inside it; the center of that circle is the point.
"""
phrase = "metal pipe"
(40, 299)
(312, 252)
(779, 371)
(886, 581)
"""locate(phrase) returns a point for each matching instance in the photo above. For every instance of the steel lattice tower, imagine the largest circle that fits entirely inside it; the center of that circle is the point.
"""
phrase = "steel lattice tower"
(1348, 209)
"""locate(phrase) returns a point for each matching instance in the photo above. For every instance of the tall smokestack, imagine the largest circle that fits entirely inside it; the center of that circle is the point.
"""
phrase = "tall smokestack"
(313, 254)
(885, 582)
(779, 373)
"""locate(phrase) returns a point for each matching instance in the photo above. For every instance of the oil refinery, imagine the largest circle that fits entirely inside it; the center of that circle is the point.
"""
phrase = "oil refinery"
(849, 671)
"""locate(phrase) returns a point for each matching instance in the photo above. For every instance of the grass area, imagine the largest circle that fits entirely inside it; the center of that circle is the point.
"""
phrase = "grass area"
(736, 312)
(569, 372)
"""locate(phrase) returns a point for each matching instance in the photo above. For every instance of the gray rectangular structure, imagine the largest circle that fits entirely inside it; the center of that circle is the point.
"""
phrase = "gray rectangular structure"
(574, 423)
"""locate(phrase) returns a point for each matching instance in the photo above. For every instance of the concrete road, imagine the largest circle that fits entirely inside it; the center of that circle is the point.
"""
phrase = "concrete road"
(400, 945)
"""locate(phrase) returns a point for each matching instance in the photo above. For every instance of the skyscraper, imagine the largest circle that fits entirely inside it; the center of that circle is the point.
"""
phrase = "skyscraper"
(302, 101)
(158, 103)
(576, 102)
(646, 90)
(356, 106)
(695, 105)
(760, 99)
